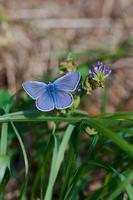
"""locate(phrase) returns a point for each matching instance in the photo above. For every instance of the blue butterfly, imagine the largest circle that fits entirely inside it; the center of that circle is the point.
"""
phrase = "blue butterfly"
(53, 95)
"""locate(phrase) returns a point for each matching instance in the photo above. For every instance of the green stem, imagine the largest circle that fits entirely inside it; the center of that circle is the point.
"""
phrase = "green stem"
(104, 98)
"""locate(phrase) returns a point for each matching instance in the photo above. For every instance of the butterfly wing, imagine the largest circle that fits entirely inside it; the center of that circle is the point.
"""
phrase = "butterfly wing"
(45, 102)
(68, 82)
(38, 90)
(62, 99)
(34, 88)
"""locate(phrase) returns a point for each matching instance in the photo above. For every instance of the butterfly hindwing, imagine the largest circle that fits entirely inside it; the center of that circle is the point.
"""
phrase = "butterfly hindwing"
(68, 82)
(62, 99)
(34, 88)
(45, 102)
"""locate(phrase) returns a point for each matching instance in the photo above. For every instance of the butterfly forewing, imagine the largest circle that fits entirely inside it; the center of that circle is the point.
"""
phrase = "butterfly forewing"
(34, 88)
(68, 82)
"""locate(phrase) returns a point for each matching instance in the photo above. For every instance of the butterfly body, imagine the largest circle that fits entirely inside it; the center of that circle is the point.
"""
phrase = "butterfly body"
(53, 95)
(51, 87)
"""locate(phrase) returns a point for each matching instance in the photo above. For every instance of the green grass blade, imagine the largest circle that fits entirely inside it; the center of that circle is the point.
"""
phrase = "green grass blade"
(57, 159)
(52, 176)
(129, 189)
(34, 115)
(31, 116)
(81, 171)
(4, 165)
(119, 141)
(3, 142)
(25, 161)
(108, 188)
(66, 176)
(43, 168)
(121, 186)
(75, 179)
(118, 115)
(92, 146)
(70, 159)
(63, 146)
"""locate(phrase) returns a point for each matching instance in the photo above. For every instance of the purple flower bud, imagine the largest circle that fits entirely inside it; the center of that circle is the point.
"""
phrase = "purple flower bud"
(99, 71)
(107, 72)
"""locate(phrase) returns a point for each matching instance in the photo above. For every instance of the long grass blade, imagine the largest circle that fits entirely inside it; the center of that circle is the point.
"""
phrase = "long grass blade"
(52, 177)
(119, 141)
(22, 193)
(81, 171)
(66, 176)
(92, 146)
(34, 115)
(3, 141)
(57, 159)
(43, 167)
(121, 186)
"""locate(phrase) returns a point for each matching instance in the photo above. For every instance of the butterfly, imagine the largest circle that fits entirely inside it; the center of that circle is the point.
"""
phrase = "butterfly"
(53, 95)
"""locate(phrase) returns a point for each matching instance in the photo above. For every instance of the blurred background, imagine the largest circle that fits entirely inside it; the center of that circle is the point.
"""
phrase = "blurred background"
(36, 35)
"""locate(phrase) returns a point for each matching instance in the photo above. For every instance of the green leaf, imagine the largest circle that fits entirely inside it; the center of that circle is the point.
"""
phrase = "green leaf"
(4, 164)
(5, 99)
